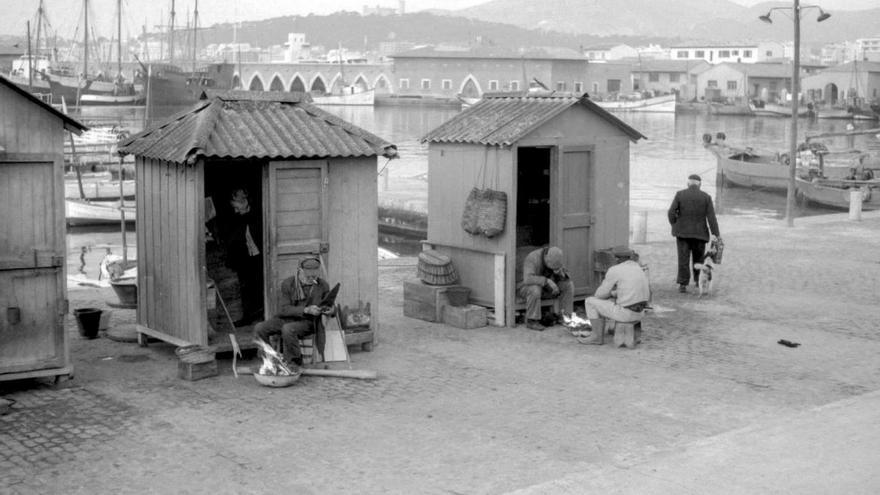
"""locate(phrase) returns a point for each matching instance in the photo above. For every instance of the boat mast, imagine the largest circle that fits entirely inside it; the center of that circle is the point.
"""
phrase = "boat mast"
(30, 59)
(171, 36)
(39, 24)
(86, 39)
(119, 39)
(195, 33)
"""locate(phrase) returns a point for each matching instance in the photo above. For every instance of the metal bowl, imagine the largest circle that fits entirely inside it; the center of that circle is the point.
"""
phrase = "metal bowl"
(276, 380)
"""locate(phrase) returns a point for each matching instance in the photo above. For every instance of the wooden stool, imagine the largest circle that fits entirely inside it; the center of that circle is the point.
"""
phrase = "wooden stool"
(627, 334)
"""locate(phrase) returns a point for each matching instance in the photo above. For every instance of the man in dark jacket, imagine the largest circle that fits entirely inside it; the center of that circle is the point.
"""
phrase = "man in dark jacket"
(692, 217)
(243, 239)
(544, 276)
(302, 296)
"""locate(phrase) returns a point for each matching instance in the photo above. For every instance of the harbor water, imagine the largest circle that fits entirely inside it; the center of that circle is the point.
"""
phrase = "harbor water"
(659, 166)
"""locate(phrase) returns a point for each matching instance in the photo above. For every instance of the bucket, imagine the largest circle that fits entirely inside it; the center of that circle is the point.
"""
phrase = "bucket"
(88, 320)
(458, 296)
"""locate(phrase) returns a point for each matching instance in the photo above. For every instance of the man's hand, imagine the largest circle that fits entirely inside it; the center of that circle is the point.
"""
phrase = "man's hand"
(312, 310)
(554, 289)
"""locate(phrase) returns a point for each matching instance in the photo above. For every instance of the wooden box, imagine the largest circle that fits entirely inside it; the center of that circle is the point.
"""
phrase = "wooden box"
(470, 316)
(196, 371)
(423, 301)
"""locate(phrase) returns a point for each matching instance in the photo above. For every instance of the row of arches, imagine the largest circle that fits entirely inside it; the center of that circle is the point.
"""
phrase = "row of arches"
(316, 86)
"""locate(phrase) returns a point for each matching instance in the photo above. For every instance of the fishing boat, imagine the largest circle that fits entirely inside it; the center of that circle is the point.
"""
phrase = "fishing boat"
(848, 113)
(836, 193)
(350, 96)
(100, 190)
(660, 104)
(764, 109)
(745, 167)
(84, 212)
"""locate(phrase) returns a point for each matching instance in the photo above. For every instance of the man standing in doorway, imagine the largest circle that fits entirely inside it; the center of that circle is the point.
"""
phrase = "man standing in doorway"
(244, 255)
(692, 217)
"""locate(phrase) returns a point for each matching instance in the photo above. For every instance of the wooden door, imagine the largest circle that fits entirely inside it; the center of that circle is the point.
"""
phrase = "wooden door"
(32, 299)
(294, 220)
(573, 217)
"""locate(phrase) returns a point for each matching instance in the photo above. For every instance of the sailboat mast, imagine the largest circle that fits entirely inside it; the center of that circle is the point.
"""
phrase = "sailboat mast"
(86, 39)
(30, 59)
(118, 38)
(39, 25)
(171, 36)
(195, 33)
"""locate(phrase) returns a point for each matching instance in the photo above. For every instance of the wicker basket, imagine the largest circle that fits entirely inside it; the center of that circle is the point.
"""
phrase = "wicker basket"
(493, 213)
(194, 354)
(436, 269)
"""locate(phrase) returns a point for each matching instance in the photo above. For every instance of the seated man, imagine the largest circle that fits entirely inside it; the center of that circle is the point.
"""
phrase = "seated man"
(622, 296)
(544, 276)
(300, 312)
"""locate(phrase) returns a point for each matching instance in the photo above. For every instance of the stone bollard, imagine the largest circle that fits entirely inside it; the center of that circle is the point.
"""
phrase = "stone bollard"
(855, 205)
(640, 227)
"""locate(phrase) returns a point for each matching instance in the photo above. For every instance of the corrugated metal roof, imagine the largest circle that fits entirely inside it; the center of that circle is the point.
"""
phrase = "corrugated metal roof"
(70, 124)
(248, 125)
(503, 120)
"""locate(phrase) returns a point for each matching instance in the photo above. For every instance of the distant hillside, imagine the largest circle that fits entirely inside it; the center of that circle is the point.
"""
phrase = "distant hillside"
(719, 20)
(358, 32)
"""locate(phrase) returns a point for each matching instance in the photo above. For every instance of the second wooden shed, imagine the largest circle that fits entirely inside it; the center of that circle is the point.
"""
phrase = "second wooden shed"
(563, 163)
(311, 176)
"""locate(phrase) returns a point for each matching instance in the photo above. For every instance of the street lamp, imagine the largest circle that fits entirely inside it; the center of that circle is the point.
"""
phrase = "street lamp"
(795, 90)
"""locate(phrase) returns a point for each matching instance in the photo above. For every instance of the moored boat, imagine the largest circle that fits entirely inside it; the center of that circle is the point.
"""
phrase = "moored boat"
(99, 189)
(83, 212)
(763, 109)
(348, 97)
(660, 104)
(836, 193)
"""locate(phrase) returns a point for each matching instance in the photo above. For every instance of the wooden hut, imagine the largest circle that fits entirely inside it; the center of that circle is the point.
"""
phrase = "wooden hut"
(311, 176)
(33, 282)
(563, 163)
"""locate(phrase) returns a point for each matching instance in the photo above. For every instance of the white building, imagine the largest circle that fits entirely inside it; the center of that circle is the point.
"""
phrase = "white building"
(745, 52)
(604, 53)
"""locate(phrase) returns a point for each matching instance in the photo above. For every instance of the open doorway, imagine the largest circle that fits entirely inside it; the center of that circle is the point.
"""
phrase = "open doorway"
(234, 251)
(533, 201)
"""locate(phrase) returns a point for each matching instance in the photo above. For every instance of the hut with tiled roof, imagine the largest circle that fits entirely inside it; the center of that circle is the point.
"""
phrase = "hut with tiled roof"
(311, 177)
(563, 163)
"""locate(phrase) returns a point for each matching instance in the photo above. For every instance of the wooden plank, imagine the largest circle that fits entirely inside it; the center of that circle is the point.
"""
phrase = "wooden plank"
(499, 279)
(23, 375)
(164, 337)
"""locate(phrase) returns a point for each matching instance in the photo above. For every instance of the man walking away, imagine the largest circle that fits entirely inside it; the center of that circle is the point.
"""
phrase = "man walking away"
(692, 217)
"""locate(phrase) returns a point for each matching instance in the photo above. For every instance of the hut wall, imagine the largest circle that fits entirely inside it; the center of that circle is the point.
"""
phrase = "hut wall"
(32, 242)
(454, 170)
(352, 218)
(610, 161)
(170, 247)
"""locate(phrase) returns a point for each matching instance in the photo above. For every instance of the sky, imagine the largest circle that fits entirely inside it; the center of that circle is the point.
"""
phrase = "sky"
(65, 14)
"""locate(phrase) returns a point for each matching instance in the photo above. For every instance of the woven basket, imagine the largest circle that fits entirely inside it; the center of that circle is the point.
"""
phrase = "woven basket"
(493, 213)
(436, 269)
(472, 211)
(194, 354)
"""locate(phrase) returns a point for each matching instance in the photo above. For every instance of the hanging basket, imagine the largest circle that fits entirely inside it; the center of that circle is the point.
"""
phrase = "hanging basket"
(493, 213)
(472, 211)
(436, 268)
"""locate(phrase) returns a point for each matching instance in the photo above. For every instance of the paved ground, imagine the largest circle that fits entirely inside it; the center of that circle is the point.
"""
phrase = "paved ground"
(709, 403)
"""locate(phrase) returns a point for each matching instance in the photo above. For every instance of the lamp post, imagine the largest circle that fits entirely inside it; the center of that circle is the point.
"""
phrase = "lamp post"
(795, 90)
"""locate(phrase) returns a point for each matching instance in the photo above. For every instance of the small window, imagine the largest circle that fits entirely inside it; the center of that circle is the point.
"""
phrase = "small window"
(768, 53)
(403, 84)
(731, 85)
(674, 77)
(712, 83)
(493, 85)
(653, 76)
(426, 84)
(381, 83)
(578, 87)
(724, 54)
(560, 86)
(747, 54)
(700, 54)
(595, 88)
(681, 54)
(446, 83)
(514, 85)
(735, 53)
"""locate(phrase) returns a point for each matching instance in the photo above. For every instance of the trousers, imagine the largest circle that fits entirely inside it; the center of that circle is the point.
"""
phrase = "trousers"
(608, 308)
(290, 331)
(690, 251)
(533, 294)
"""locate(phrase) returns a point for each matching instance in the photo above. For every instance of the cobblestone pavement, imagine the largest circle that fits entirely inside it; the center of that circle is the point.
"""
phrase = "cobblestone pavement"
(480, 411)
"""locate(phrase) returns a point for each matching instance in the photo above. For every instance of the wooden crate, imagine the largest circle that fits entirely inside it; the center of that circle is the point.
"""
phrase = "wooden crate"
(196, 371)
(469, 316)
(424, 301)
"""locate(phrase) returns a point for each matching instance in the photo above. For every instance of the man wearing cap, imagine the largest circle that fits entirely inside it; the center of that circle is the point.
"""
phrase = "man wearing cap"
(243, 238)
(300, 312)
(622, 296)
(544, 276)
(692, 217)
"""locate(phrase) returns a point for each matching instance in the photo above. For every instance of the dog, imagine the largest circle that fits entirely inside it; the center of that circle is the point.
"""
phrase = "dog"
(708, 266)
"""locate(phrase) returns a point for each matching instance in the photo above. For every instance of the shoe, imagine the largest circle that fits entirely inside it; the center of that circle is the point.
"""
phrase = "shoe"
(534, 325)
(682, 288)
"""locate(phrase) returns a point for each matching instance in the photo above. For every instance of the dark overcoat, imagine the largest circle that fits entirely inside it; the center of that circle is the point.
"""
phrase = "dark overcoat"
(692, 214)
